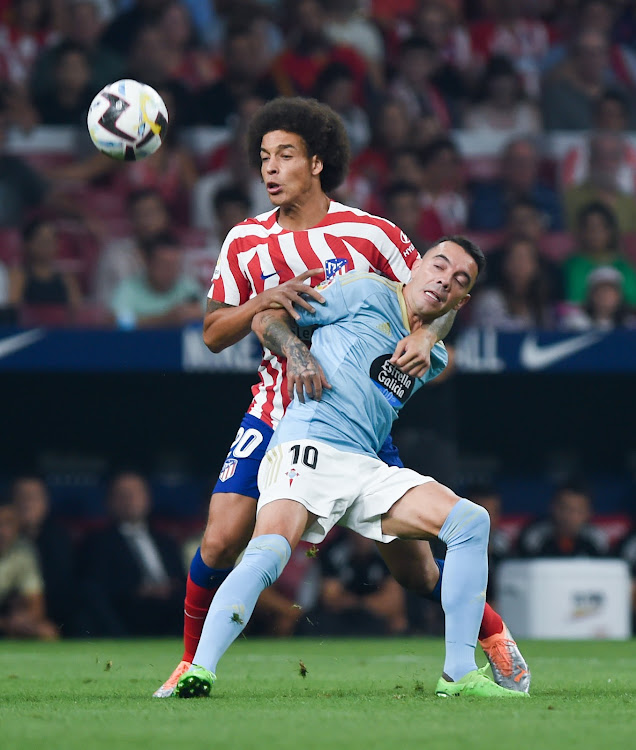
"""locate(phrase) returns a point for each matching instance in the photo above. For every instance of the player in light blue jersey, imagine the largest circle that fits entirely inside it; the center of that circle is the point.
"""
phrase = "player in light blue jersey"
(321, 467)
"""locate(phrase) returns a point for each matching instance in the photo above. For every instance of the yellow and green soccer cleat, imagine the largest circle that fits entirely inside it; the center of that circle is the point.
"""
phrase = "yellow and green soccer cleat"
(475, 684)
(195, 683)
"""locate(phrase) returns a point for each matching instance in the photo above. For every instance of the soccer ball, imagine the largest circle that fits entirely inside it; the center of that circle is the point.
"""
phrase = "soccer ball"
(127, 120)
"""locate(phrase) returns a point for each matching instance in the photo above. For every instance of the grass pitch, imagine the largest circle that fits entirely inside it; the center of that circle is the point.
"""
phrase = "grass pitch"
(363, 694)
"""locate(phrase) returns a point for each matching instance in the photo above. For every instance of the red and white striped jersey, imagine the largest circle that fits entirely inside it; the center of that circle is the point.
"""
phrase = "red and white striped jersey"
(259, 254)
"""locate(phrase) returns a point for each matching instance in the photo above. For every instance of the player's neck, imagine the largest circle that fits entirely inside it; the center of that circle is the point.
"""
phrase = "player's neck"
(304, 214)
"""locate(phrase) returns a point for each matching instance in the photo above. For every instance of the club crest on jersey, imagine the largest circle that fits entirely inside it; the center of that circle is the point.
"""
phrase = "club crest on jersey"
(229, 467)
(292, 474)
(335, 267)
(395, 385)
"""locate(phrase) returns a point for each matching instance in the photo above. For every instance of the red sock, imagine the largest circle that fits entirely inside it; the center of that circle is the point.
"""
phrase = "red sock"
(196, 605)
(491, 623)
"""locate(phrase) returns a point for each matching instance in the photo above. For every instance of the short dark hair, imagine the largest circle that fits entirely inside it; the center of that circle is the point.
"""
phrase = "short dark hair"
(614, 95)
(161, 239)
(231, 194)
(400, 187)
(434, 147)
(472, 248)
(136, 196)
(31, 227)
(318, 125)
(603, 210)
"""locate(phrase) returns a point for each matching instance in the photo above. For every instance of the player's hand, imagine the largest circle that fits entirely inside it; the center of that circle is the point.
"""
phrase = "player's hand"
(291, 293)
(412, 354)
(304, 375)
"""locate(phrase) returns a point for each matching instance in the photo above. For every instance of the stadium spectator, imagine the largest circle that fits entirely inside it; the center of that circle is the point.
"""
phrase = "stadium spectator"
(132, 576)
(231, 205)
(71, 92)
(188, 60)
(499, 546)
(598, 239)
(569, 94)
(161, 295)
(519, 178)
(520, 297)
(412, 84)
(243, 74)
(31, 27)
(444, 206)
(611, 115)
(4, 286)
(358, 595)
(608, 154)
(39, 281)
(54, 547)
(604, 307)
(567, 531)
(335, 87)
(122, 32)
(22, 608)
(309, 50)
(501, 105)
(600, 16)
(123, 257)
(84, 25)
(508, 29)
(349, 25)
(403, 208)
(228, 164)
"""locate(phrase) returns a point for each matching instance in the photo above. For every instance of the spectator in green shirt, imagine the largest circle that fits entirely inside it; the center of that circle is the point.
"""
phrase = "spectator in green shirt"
(161, 295)
(598, 245)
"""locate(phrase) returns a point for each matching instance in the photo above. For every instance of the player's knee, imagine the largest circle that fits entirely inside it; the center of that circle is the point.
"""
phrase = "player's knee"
(221, 545)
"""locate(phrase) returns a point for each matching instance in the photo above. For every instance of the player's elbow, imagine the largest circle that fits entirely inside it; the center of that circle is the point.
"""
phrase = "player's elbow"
(211, 337)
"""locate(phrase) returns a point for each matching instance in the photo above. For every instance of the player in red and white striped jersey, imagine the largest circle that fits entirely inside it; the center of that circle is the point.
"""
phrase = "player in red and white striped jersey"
(260, 254)
(265, 263)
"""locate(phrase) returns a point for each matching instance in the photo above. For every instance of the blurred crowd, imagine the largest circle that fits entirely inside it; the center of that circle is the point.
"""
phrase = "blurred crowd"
(124, 574)
(510, 120)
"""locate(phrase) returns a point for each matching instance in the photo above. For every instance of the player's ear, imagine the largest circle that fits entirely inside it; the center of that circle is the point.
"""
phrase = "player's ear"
(316, 165)
(462, 302)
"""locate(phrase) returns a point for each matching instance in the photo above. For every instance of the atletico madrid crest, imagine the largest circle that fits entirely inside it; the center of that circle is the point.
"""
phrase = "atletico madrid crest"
(229, 467)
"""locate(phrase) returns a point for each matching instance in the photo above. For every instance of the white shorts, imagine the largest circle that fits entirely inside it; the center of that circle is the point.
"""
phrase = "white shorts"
(350, 489)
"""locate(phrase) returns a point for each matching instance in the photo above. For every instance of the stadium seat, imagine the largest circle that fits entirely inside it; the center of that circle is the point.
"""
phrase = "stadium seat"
(49, 316)
(557, 245)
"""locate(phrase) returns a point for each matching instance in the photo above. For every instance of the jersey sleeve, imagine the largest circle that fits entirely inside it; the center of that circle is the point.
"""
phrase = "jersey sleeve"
(229, 283)
(397, 253)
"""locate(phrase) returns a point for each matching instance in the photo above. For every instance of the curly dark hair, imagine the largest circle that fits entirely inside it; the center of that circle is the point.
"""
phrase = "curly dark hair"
(317, 124)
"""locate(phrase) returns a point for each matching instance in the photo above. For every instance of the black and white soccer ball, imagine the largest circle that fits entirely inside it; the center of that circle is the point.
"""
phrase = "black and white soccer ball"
(127, 120)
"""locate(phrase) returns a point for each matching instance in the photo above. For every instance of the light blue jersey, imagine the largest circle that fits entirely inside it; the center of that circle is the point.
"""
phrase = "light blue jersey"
(360, 323)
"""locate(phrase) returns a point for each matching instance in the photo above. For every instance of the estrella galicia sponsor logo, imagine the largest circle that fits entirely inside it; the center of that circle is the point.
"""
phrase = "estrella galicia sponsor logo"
(395, 385)
(229, 467)
(335, 267)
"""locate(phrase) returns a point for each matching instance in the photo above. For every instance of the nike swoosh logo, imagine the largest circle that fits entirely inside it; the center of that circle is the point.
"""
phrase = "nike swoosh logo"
(265, 277)
(535, 357)
(13, 344)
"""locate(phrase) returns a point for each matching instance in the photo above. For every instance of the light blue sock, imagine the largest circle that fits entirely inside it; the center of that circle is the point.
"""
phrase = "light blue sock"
(465, 533)
(262, 563)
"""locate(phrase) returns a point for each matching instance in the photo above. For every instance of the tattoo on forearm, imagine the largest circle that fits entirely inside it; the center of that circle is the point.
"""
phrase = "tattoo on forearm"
(441, 326)
(214, 305)
(278, 338)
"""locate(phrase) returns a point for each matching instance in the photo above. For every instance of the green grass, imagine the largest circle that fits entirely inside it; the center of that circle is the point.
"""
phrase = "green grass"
(363, 694)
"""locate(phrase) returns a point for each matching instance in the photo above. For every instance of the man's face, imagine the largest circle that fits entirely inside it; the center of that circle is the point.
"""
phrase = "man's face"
(31, 500)
(288, 173)
(440, 280)
(520, 166)
(129, 499)
(164, 268)
(570, 512)
(149, 216)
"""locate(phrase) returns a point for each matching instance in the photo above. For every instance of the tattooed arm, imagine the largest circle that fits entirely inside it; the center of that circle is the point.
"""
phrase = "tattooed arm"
(413, 353)
(225, 324)
(304, 374)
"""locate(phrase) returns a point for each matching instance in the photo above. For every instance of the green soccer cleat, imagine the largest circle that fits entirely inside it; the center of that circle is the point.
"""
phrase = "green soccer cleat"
(475, 684)
(195, 683)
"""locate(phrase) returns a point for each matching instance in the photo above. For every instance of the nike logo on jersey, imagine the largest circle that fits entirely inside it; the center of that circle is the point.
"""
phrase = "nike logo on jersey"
(268, 275)
(13, 344)
(535, 357)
